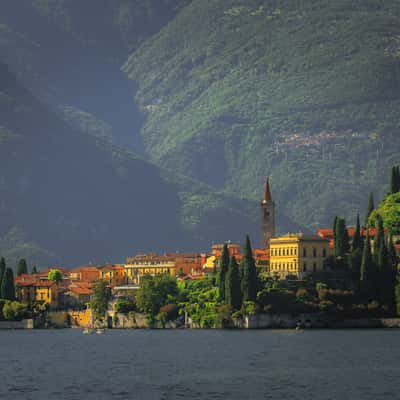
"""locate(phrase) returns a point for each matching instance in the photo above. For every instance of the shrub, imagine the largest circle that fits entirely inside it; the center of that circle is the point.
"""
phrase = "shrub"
(124, 306)
(171, 311)
(14, 311)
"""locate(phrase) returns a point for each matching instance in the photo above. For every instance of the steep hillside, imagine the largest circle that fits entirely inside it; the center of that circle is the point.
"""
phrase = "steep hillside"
(71, 198)
(306, 91)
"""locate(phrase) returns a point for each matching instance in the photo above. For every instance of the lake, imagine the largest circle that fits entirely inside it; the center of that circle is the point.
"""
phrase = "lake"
(200, 364)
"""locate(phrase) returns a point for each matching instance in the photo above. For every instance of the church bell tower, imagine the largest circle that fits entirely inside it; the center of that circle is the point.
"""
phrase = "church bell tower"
(267, 217)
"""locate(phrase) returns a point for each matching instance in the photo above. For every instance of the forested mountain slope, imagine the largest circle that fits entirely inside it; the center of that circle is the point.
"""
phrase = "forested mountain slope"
(307, 91)
(71, 198)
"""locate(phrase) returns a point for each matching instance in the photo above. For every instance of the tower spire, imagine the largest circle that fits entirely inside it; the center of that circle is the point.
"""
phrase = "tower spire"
(267, 192)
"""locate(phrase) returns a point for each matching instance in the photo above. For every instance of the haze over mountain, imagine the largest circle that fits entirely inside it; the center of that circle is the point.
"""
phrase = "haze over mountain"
(220, 92)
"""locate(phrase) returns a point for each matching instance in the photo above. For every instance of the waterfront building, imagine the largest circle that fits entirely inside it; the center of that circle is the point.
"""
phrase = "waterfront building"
(30, 290)
(113, 274)
(150, 264)
(267, 211)
(87, 273)
(298, 254)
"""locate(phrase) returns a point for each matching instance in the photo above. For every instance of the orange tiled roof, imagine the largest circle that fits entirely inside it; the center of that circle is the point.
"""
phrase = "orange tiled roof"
(80, 290)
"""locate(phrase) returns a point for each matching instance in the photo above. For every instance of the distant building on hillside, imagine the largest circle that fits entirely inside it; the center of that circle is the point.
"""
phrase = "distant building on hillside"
(267, 217)
(298, 254)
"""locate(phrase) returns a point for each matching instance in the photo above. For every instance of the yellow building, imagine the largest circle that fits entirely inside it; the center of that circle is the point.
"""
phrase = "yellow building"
(297, 254)
(38, 292)
(151, 264)
(113, 274)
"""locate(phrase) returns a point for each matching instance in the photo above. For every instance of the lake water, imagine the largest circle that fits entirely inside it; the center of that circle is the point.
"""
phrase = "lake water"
(203, 364)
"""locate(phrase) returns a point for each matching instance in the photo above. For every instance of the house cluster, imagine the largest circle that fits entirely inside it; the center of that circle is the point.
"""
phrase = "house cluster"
(294, 254)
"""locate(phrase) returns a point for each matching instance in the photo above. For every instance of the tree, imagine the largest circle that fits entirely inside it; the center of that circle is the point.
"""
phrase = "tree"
(101, 296)
(370, 208)
(55, 275)
(387, 274)
(2, 269)
(368, 272)
(233, 291)
(155, 292)
(34, 270)
(223, 269)
(248, 273)
(395, 180)
(357, 239)
(22, 267)
(379, 240)
(342, 238)
(7, 290)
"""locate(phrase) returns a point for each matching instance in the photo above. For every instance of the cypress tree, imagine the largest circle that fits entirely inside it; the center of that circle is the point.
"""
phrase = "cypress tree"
(342, 238)
(2, 268)
(22, 267)
(34, 270)
(7, 290)
(335, 221)
(388, 269)
(370, 208)
(223, 269)
(357, 240)
(233, 291)
(392, 253)
(248, 273)
(398, 178)
(379, 240)
(368, 273)
(394, 181)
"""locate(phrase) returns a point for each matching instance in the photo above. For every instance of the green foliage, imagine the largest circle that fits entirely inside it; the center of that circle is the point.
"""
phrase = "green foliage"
(223, 270)
(99, 303)
(155, 292)
(368, 274)
(14, 311)
(22, 267)
(395, 180)
(55, 275)
(248, 273)
(34, 270)
(357, 239)
(370, 208)
(389, 210)
(233, 291)
(2, 270)
(7, 289)
(124, 306)
(341, 238)
(258, 72)
(202, 303)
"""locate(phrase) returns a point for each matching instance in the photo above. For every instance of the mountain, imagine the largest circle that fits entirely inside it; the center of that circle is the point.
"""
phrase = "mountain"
(69, 197)
(305, 91)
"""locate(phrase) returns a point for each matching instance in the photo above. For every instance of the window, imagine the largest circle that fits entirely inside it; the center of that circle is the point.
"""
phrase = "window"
(295, 252)
(315, 267)
(305, 267)
(304, 252)
(324, 253)
(314, 251)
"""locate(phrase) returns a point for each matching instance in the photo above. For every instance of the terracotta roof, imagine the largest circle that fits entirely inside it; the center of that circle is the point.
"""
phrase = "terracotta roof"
(36, 283)
(85, 268)
(80, 290)
(112, 267)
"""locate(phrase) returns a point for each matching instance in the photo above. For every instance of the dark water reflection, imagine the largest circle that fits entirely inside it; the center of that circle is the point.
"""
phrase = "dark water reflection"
(200, 365)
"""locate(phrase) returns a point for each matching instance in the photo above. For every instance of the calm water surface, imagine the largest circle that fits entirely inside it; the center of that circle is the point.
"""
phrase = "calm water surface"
(65, 364)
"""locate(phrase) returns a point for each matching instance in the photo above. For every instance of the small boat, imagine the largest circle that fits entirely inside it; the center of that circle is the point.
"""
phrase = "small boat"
(87, 331)
(100, 331)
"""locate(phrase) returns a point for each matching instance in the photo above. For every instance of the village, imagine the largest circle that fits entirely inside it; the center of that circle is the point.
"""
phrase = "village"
(293, 257)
